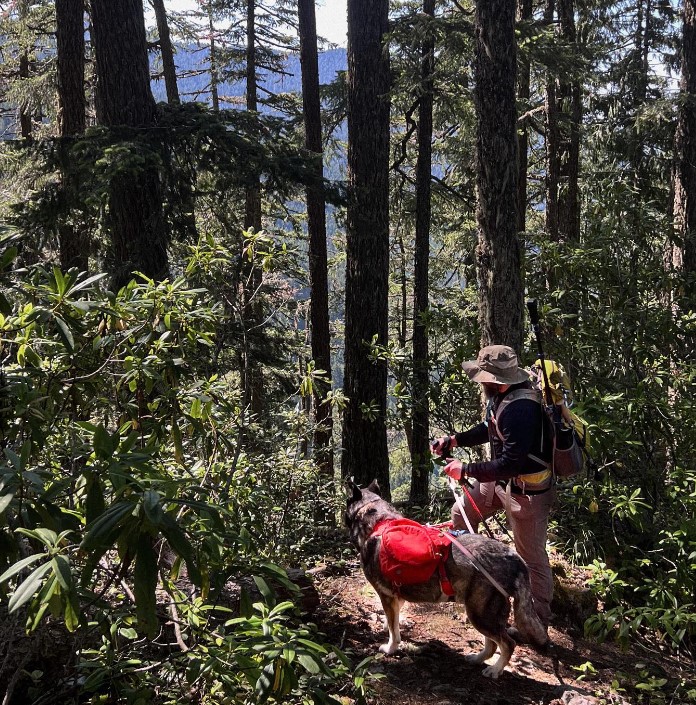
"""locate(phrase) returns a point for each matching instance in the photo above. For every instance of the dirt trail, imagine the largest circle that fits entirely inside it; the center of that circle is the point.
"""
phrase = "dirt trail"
(430, 669)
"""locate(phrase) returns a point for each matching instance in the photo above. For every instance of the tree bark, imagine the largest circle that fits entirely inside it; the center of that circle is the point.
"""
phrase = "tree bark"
(25, 119)
(316, 225)
(70, 55)
(498, 250)
(421, 465)
(684, 254)
(524, 13)
(184, 179)
(552, 143)
(214, 79)
(367, 244)
(123, 98)
(167, 52)
(570, 114)
(252, 215)
(72, 103)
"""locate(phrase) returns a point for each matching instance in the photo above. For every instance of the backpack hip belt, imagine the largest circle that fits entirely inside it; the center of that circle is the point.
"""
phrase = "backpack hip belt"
(516, 489)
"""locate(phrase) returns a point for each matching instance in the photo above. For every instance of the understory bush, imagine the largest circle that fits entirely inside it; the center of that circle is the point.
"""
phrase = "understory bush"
(141, 515)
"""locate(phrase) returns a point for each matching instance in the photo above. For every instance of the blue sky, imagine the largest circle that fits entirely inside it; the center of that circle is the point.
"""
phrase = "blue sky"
(331, 17)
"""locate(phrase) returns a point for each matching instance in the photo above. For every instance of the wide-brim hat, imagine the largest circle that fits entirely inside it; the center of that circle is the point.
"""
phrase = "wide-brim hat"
(496, 364)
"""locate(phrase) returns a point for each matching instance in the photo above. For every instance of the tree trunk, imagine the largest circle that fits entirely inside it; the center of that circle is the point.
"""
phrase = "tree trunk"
(524, 12)
(367, 244)
(252, 216)
(421, 465)
(165, 44)
(570, 115)
(25, 120)
(401, 325)
(70, 59)
(685, 148)
(70, 40)
(214, 80)
(552, 143)
(498, 251)
(124, 98)
(316, 225)
(184, 178)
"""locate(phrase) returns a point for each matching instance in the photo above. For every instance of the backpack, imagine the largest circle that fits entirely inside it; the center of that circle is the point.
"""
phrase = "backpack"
(410, 552)
(571, 439)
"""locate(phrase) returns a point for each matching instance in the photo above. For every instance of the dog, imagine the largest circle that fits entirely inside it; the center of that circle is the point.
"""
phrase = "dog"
(486, 607)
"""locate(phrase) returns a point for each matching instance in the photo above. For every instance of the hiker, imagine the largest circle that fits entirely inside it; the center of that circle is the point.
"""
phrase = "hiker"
(518, 477)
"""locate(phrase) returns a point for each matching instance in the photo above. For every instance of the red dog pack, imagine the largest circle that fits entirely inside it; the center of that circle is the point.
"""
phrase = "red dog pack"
(410, 552)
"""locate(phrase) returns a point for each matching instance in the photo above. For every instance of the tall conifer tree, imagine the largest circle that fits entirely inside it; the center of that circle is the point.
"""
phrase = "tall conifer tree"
(569, 115)
(420, 455)
(498, 250)
(524, 13)
(367, 244)
(124, 98)
(167, 51)
(316, 225)
(685, 144)
(70, 59)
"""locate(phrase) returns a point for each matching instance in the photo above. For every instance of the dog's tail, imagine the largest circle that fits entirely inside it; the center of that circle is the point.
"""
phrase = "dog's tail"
(526, 620)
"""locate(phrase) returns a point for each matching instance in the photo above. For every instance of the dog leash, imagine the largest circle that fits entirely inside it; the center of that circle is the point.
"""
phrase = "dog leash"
(462, 547)
(453, 484)
(460, 503)
(466, 484)
(476, 564)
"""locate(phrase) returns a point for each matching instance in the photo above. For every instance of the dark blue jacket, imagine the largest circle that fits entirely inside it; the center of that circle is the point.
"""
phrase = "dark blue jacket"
(525, 429)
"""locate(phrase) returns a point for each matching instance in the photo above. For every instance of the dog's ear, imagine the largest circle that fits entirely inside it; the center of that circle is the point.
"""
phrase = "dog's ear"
(356, 491)
(374, 487)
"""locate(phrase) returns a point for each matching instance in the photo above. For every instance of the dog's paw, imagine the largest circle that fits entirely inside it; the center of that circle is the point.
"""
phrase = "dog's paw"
(492, 672)
(475, 659)
(389, 648)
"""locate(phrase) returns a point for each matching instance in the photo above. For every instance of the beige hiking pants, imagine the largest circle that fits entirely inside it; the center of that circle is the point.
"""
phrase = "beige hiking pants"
(528, 518)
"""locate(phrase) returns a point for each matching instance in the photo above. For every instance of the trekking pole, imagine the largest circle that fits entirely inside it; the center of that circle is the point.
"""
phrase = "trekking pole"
(534, 318)
(553, 409)
(466, 486)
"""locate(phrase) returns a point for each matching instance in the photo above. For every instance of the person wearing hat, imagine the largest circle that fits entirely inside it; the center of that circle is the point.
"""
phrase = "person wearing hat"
(518, 477)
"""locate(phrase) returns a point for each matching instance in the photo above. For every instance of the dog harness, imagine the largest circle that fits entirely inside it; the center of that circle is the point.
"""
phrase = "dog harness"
(410, 553)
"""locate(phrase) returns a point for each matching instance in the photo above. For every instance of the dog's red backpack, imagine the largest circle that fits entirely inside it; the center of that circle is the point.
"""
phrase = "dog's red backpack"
(410, 553)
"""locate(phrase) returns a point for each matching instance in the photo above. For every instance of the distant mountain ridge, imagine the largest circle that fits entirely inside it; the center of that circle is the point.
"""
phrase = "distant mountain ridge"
(194, 60)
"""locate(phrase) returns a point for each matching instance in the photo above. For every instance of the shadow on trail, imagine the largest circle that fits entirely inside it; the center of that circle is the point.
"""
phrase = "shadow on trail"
(432, 667)
(429, 671)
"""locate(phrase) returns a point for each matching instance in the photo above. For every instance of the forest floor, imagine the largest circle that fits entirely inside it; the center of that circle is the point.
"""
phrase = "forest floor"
(430, 668)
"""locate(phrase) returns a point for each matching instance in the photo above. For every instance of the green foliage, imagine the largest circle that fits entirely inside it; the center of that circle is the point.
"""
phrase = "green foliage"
(613, 319)
(263, 656)
(648, 684)
(131, 466)
(128, 487)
